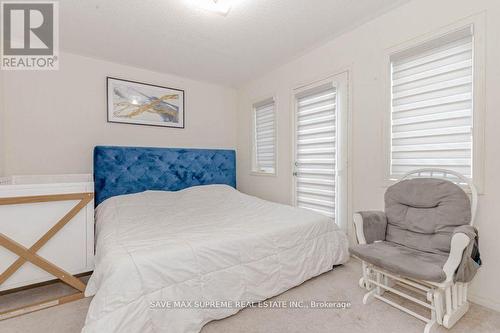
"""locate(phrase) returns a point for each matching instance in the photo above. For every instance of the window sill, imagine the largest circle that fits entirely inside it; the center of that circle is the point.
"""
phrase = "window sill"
(265, 174)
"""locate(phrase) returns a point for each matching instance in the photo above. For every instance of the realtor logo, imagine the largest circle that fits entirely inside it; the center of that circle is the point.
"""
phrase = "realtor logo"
(30, 35)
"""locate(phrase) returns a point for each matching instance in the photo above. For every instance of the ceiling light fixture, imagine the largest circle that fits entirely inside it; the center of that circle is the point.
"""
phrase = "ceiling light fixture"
(221, 7)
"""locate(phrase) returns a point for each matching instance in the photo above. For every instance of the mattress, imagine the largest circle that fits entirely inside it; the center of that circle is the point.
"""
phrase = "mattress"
(203, 244)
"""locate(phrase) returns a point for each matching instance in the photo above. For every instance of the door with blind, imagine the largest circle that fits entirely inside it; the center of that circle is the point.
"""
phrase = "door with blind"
(320, 147)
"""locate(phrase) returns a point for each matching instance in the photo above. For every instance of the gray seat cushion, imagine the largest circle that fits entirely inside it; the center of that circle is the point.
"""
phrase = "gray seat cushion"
(423, 212)
(402, 260)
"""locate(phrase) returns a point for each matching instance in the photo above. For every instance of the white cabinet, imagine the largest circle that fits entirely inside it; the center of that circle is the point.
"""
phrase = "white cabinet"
(71, 248)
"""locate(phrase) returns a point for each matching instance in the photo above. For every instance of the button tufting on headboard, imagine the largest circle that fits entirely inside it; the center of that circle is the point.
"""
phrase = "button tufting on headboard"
(125, 170)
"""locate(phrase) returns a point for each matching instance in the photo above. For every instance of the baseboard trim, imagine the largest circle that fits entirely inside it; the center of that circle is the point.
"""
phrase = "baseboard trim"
(486, 302)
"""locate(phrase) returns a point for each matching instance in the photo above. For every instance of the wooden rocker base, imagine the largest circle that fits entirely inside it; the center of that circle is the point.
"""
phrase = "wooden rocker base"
(374, 294)
(429, 326)
(450, 320)
(447, 302)
(29, 255)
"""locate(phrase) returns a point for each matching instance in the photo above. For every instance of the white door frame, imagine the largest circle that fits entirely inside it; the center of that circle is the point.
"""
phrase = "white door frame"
(341, 82)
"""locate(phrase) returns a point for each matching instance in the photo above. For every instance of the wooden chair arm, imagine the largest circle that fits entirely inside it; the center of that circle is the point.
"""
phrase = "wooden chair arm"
(358, 228)
(459, 242)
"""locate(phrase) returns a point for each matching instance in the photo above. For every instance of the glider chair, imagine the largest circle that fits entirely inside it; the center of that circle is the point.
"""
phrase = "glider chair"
(423, 247)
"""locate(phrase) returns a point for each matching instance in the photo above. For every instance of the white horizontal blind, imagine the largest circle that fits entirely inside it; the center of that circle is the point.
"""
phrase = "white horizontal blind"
(432, 105)
(265, 137)
(316, 139)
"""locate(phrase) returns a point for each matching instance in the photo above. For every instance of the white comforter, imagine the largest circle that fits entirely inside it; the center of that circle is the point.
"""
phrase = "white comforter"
(202, 243)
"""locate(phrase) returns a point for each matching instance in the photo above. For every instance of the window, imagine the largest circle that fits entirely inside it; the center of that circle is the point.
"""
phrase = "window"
(432, 105)
(264, 146)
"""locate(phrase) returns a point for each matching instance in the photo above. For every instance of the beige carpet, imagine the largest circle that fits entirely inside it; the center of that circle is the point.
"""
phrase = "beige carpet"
(337, 285)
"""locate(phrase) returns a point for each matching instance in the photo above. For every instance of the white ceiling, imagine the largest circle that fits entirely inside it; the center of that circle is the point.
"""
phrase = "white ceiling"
(174, 37)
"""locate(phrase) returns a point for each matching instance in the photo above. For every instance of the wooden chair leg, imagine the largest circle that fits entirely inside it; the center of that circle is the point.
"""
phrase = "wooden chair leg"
(438, 300)
(368, 297)
(429, 326)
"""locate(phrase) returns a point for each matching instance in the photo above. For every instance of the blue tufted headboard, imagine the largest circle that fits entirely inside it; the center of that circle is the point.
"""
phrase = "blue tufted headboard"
(125, 170)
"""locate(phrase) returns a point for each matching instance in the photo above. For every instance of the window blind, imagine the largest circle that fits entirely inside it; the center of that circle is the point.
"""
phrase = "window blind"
(316, 150)
(432, 105)
(265, 137)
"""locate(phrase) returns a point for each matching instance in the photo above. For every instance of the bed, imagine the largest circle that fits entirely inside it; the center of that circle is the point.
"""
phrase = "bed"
(174, 236)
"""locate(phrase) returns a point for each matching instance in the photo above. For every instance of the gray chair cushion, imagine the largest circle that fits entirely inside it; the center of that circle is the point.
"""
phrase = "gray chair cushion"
(402, 260)
(423, 212)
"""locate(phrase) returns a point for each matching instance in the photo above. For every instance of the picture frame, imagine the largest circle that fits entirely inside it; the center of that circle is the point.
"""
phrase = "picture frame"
(139, 103)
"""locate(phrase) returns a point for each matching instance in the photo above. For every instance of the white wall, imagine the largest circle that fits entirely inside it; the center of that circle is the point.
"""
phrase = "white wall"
(53, 119)
(363, 51)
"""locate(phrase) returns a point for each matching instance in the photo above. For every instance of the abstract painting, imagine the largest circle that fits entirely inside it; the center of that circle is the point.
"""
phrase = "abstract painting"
(144, 104)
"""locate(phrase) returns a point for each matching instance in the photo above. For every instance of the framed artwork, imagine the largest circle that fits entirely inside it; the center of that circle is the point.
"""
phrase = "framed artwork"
(140, 103)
